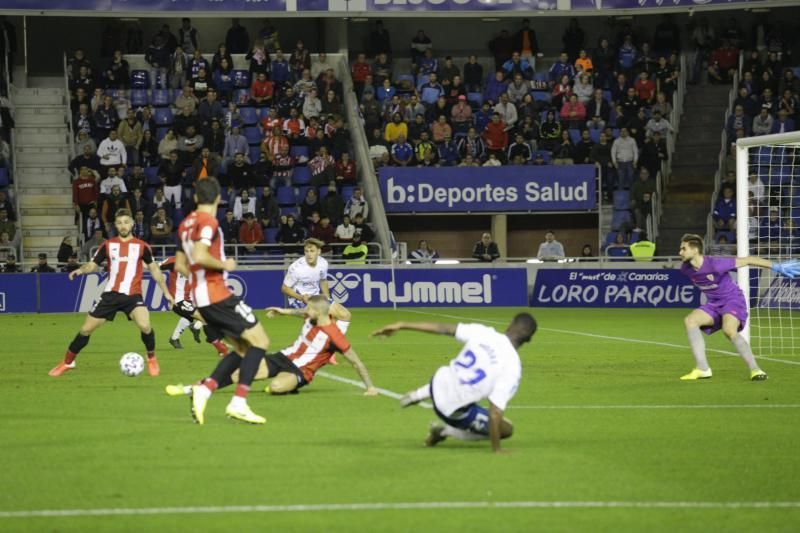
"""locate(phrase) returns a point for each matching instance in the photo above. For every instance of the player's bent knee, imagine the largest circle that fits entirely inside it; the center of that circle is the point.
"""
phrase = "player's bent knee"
(283, 383)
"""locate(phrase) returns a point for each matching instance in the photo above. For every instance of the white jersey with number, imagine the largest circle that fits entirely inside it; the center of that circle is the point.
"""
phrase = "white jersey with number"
(488, 366)
(305, 279)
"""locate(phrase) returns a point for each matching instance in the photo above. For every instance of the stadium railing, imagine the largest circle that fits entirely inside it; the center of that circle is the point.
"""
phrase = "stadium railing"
(20, 252)
(723, 153)
(68, 111)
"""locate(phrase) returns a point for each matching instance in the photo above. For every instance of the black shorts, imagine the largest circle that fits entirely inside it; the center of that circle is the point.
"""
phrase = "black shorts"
(231, 316)
(277, 363)
(184, 309)
(111, 303)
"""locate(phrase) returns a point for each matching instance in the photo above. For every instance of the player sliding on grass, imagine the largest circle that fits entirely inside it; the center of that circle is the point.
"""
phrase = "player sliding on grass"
(488, 366)
(181, 291)
(726, 308)
(123, 291)
(294, 367)
(202, 259)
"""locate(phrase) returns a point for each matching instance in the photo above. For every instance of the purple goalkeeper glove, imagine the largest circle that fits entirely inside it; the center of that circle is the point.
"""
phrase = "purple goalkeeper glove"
(789, 269)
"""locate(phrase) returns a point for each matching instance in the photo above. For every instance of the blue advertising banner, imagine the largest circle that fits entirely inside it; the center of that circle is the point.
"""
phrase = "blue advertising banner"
(448, 287)
(18, 293)
(460, 5)
(639, 4)
(147, 5)
(613, 288)
(312, 5)
(470, 189)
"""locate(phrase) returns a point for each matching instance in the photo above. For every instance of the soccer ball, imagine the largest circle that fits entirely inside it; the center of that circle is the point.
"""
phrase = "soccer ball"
(131, 364)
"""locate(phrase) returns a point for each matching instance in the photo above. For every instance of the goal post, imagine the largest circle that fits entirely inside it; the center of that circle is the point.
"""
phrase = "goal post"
(774, 325)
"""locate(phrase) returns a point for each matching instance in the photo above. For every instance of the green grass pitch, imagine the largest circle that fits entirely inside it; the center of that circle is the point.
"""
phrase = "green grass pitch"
(95, 439)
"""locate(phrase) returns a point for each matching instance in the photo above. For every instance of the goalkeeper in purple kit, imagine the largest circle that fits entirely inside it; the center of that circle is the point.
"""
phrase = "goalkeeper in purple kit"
(725, 308)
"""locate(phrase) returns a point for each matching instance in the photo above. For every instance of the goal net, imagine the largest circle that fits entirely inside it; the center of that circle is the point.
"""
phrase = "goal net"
(768, 222)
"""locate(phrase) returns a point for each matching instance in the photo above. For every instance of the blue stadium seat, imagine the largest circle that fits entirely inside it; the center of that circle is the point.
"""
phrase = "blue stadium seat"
(140, 79)
(620, 218)
(404, 77)
(249, 116)
(476, 98)
(161, 97)
(263, 113)
(149, 193)
(286, 196)
(541, 96)
(594, 135)
(615, 132)
(618, 251)
(221, 213)
(303, 190)
(163, 116)
(612, 118)
(796, 71)
(622, 199)
(255, 154)
(290, 210)
(253, 136)
(113, 93)
(161, 133)
(152, 175)
(270, 235)
(607, 95)
(176, 93)
(347, 192)
(241, 79)
(575, 135)
(301, 175)
(546, 155)
(4, 181)
(611, 237)
(539, 76)
(139, 98)
(299, 151)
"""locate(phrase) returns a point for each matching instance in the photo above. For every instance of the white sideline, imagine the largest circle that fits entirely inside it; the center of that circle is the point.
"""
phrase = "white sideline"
(668, 406)
(397, 506)
(607, 337)
(383, 392)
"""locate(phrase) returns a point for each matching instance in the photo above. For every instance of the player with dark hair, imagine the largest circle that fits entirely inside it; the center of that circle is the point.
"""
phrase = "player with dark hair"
(488, 367)
(294, 367)
(124, 255)
(726, 308)
(202, 259)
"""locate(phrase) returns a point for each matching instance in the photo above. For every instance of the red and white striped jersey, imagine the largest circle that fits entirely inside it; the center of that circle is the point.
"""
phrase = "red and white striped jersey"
(208, 286)
(179, 286)
(124, 260)
(316, 345)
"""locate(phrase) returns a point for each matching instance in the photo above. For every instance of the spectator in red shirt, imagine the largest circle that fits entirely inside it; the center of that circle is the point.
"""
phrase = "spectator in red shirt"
(496, 137)
(646, 89)
(345, 170)
(324, 232)
(261, 91)
(84, 191)
(723, 63)
(250, 233)
(573, 112)
(360, 70)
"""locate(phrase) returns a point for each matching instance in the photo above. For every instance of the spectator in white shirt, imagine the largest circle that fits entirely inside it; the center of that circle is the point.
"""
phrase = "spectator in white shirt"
(550, 249)
(658, 124)
(356, 204)
(113, 179)
(345, 230)
(507, 111)
(112, 152)
(624, 156)
(755, 187)
(243, 204)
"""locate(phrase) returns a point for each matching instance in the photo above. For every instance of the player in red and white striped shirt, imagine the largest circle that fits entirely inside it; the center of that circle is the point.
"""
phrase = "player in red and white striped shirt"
(202, 257)
(181, 290)
(124, 255)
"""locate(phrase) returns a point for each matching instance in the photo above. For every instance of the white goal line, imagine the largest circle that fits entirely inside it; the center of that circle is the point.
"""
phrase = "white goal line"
(396, 506)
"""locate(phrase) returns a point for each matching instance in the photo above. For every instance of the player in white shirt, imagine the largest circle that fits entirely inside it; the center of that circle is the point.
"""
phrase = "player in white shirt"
(308, 276)
(487, 367)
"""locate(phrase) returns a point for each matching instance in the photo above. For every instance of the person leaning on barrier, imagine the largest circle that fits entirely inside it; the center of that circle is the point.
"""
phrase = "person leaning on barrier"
(550, 249)
(486, 249)
(355, 253)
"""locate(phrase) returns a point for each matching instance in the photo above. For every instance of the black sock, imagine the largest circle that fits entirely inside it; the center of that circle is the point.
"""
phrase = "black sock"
(212, 333)
(149, 340)
(225, 368)
(250, 363)
(78, 343)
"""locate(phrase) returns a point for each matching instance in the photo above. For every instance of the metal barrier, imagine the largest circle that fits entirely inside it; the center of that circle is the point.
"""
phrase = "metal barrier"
(68, 109)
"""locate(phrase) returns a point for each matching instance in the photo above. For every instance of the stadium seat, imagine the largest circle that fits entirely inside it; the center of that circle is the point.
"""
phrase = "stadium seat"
(575, 135)
(149, 193)
(152, 175)
(607, 95)
(301, 175)
(163, 116)
(270, 235)
(139, 98)
(161, 97)
(299, 151)
(622, 199)
(241, 97)
(409, 78)
(255, 154)
(539, 76)
(619, 219)
(249, 116)
(113, 93)
(422, 79)
(140, 79)
(545, 155)
(286, 196)
(619, 251)
(253, 135)
(541, 96)
(429, 95)
(176, 93)
(303, 190)
(594, 135)
(615, 133)
(161, 133)
(221, 213)
(612, 117)
(796, 71)
(241, 79)
(290, 211)
(475, 97)
(347, 192)
(4, 181)
(263, 113)
(611, 237)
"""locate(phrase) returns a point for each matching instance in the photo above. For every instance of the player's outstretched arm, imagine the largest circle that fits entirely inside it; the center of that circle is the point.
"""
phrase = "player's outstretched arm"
(272, 312)
(495, 421)
(86, 268)
(426, 327)
(789, 268)
(353, 359)
(203, 257)
(158, 276)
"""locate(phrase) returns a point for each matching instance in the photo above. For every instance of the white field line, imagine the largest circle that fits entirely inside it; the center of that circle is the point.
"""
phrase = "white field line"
(397, 506)
(596, 336)
(360, 385)
(668, 406)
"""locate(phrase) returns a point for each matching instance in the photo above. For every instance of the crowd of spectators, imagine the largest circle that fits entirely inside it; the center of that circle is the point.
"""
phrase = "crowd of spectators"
(271, 129)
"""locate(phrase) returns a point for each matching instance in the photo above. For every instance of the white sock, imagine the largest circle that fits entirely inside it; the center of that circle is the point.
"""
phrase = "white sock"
(203, 391)
(422, 393)
(698, 345)
(745, 351)
(197, 326)
(238, 403)
(180, 327)
(462, 434)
